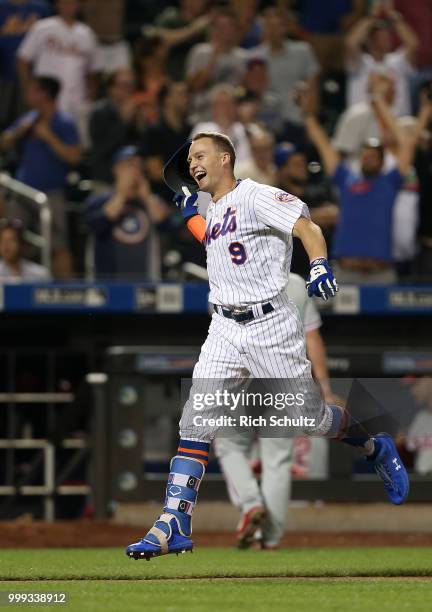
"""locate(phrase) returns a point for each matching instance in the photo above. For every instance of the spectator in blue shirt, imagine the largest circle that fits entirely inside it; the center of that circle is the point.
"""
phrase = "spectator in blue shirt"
(331, 17)
(48, 144)
(16, 18)
(323, 25)
(123, 222)
(250, 27)
(363, 240)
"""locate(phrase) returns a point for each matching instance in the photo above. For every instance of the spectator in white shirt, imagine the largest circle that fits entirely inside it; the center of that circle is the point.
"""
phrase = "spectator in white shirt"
(375, 33)
(360, 122)
(260, 167)
(106, 18)
(66, 49)
(291, 64)
(13, 267)
(220, 60)
(224, 110)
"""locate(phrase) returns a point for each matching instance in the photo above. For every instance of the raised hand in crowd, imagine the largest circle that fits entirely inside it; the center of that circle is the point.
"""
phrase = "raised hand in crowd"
(178, 36)
(404, 141)
(330, 157)
(382, 16)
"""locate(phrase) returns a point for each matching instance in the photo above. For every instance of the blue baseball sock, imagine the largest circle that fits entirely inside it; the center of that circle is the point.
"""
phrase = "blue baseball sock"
(187, 471)
(348, 430)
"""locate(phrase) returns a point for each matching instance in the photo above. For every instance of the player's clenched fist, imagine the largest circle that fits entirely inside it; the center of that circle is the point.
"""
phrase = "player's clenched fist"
(321, 281)
(187, 205)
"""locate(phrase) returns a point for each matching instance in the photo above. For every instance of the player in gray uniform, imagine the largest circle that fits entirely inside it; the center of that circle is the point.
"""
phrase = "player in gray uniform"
(264, 506)
(255, 331)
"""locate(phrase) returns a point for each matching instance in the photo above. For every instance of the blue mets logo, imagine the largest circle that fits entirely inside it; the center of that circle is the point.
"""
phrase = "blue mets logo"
(229, 224)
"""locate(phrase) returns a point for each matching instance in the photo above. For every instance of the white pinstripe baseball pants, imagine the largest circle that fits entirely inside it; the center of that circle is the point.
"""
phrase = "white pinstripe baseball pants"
(269, 347)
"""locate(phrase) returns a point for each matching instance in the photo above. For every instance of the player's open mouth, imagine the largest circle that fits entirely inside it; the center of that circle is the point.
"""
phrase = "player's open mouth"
(200, 175)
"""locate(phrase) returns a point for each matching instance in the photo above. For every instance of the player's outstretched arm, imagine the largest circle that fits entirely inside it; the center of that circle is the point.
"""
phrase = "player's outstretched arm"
(312, 238)
(321, 281)
(188, 206)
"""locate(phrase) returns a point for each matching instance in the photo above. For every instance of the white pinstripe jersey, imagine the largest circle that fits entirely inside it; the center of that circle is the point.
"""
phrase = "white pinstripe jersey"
(249, 243)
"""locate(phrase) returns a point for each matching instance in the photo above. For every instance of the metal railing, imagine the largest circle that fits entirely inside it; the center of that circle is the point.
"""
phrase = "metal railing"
(39, 200)
(46, 441)
(49, 487)
(52, 483)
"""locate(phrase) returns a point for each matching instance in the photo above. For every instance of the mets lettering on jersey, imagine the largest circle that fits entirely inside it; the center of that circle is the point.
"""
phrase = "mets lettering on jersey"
(249, 243)
(220, 229)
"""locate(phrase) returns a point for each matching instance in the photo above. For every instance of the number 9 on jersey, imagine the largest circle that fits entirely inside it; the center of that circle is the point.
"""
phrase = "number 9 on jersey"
(238, 253)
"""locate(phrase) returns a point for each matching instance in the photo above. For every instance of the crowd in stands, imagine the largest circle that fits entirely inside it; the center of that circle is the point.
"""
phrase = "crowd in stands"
(331, 101)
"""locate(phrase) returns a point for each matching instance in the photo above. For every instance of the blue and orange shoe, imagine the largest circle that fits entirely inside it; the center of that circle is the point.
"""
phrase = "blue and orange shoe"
(164, 538)
(389, 467)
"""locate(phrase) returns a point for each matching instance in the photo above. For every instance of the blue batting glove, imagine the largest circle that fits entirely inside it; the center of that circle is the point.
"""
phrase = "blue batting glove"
(187, 205)
(321, 281)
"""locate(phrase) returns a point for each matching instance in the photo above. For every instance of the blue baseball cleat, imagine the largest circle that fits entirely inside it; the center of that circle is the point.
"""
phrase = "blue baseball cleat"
(389, 467)
(164, 538)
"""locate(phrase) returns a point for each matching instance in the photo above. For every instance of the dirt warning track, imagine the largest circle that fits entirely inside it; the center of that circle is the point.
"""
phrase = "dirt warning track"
(93, 534)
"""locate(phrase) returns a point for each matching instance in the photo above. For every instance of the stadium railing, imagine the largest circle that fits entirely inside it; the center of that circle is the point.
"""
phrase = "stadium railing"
(39, 200)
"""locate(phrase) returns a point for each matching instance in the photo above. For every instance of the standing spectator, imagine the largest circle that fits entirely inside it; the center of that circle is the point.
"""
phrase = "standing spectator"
(66, 49)
(375, 31)
(112, 123)
(322, 24)
(250, 26)
(225, 119)
(106, 20)
(291, 64)
(260, 167)
(151, 74)
(16, 18)
(294, 177)
(182, 27)
(49, 144)
(363, 241)
(169, 134)
(268, 107)
(364, 121)
(123, 223)
(13, 267)
(218, 61)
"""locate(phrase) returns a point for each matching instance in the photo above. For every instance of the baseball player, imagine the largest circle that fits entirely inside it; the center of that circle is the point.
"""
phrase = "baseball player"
(255, 329)
(264, 506)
